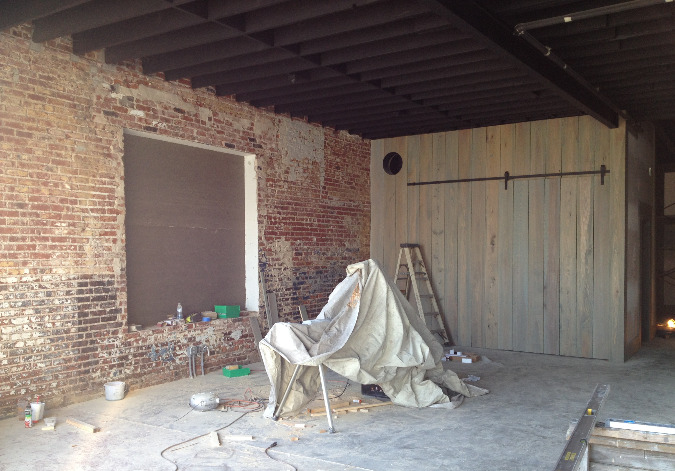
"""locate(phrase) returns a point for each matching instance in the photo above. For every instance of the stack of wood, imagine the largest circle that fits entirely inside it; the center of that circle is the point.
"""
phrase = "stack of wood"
(615, 449)
(345, 407)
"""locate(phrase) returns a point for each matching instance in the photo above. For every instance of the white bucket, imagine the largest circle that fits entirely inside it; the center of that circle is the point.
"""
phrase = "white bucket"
(37, 410)
(114, 391)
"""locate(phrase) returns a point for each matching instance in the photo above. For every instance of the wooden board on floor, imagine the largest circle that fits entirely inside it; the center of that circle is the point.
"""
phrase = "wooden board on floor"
(83, 425)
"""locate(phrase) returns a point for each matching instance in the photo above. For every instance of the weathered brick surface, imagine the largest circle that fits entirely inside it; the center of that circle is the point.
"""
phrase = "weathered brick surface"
(63, 318)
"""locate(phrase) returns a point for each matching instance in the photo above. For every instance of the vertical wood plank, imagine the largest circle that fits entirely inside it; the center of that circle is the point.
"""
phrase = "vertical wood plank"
(601, 245)
(438, 222)
(568, 240)
(451, 204)
(413, 169)
(477, 266)
(585, 241)
(617, 222)
(521, 166)
(535, 289)
(389, 247)
(426, 205)
(402, 222)
(507, 142)
(552, 241)
(464, 240)
(377, 209)
(491, 281)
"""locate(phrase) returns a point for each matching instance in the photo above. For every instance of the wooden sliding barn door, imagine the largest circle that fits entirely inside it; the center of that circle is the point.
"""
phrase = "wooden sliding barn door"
(527, 267)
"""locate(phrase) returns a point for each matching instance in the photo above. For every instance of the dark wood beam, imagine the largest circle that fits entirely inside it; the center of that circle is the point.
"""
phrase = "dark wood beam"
(350, 20)
(202, 53)
(423, 66)
(268, 82)
(366, 106)
(389, 46)
(136, 28)
(375, 32)
(16, 12)
(286, 13)
(269, 96)
(168, 43)
(291, 99)
(93, 15)
(485, 84)
(469, 80)
(444, 73)
(411, 56)
(287, 66)
(470, 17)
(232, 64)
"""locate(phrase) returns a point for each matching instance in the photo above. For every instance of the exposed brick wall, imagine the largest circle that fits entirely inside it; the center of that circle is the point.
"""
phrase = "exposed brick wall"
(63, 318)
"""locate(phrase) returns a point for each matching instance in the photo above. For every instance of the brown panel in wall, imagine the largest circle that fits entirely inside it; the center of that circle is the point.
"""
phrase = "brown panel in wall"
(450, 309)
(521, 166)
(464, 240)
(413, 192)
(523, 266)
(438, 268)
(617, 221)
(601, 245)
(402, 222)
(184, 228)
(536, 237)
(389, 245)
(585, 241)
(492, 190)
(505, 340)
(377, 176)
(552, 242)
(425, 202)
(568, 239)
(477, 266)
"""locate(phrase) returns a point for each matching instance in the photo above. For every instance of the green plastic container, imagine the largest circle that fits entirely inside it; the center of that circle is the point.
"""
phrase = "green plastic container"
(225, 312)
(239, 372)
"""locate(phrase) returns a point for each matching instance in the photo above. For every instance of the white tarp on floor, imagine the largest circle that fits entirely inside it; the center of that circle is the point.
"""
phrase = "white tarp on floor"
(369, 333)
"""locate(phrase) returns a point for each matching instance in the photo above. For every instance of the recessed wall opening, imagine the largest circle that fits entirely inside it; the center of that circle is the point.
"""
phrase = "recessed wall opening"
(187, 237)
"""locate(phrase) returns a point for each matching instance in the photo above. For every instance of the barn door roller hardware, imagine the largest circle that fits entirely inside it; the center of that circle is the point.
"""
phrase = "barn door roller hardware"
(508, 177)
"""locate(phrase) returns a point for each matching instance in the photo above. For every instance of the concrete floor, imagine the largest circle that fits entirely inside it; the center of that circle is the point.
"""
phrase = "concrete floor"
(520, 425)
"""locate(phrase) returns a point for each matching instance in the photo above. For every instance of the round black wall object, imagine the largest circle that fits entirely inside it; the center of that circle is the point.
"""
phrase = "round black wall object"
(392, 163)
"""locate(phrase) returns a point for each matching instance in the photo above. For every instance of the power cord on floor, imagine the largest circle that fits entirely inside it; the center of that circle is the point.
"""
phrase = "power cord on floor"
(276, 459)
(198, 437)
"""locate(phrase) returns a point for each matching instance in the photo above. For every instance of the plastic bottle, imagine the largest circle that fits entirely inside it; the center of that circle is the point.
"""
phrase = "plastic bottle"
(179, 312)
(28, 416)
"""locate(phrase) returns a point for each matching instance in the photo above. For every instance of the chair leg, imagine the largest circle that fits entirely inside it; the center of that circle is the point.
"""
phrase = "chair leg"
(288, 390)
(329, 414)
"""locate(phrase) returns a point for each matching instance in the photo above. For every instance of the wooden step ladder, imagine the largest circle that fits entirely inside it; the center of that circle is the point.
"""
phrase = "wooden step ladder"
(413, 272)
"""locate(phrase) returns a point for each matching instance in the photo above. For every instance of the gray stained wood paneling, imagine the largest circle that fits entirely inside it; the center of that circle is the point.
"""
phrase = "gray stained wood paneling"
(536, 267)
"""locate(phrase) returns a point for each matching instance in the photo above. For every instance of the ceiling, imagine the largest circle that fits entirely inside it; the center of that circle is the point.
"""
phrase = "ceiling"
(384, 68)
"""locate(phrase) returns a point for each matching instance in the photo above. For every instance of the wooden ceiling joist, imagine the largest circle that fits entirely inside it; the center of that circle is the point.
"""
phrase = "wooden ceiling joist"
(471, 18)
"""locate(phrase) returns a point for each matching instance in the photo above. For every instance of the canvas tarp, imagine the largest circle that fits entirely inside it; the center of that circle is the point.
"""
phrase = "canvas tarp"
(369, 333)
